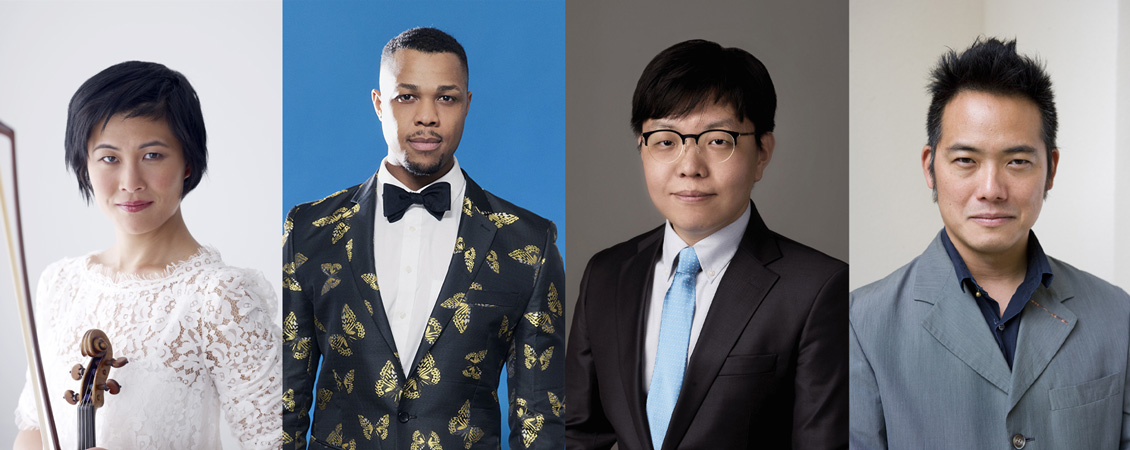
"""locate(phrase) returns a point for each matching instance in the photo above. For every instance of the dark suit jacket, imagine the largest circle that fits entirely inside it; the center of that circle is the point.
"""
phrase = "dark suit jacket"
(770, 369)
(500, 302)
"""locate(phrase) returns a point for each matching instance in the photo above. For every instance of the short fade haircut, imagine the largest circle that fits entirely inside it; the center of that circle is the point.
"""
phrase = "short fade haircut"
(427, 40)
(137, 89)
(991, 66)
(687, 75)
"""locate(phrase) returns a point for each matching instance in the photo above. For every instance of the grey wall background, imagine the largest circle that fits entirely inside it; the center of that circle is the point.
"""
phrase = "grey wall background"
(803, 194)
(1086, 48)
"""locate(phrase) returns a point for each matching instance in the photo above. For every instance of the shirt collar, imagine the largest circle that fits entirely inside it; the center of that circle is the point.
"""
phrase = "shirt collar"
(454, 177)
(1038, 265)
(714, 252)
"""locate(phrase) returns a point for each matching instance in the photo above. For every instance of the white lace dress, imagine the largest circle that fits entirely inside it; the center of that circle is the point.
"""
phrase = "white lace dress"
(201, 337)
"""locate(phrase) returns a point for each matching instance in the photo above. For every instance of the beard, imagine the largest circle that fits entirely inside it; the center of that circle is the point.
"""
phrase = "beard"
(424, 169)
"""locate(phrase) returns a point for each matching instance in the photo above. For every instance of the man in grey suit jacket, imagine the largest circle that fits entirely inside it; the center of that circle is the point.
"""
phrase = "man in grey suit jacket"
(983, 341)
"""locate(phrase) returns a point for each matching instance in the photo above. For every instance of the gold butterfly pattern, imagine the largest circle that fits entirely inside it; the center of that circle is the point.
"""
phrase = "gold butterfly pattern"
(346, 382)
(426, 375)
(288, 272)
(339, 232)
(533, 359)
(335, 194)
(288, 225)
(541, 320)
(462, 316)
(432, 332)
(459, 246)
(492, 261)
(324, 396)
(388, 385)
(502, 219)
(528, 255)
(469, 258)
(557, 405)
(368, 428)
(288, 400)
(554, 302)
(335, 438)
(337, 215)
(461, 425)
(504, 330)
(473, 371)
(330, 269)
(371, 280)
(419, 444)
(349, 250)
(531, 422)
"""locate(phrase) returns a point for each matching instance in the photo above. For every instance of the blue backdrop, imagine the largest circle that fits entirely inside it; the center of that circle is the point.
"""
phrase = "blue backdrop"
(514, 141)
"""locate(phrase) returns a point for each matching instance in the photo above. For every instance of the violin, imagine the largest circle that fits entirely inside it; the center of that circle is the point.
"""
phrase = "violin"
(95, 382)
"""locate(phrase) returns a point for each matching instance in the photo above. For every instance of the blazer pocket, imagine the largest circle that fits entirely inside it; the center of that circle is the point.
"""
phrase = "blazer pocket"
(748, 364)
(1086, 393)
(493, 298)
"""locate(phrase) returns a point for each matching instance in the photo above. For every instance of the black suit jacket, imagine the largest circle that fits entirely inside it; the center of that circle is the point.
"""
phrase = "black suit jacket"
(499, 303)
(769, 370)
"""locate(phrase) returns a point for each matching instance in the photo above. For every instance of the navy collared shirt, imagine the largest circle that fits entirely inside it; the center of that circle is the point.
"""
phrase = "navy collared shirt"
(1004, 327)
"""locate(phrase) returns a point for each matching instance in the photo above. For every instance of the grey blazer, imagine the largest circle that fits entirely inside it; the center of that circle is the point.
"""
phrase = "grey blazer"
(927, 373)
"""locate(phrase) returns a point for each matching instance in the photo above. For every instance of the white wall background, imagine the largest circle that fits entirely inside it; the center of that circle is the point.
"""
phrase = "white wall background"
(1086, 51)
(232, 55)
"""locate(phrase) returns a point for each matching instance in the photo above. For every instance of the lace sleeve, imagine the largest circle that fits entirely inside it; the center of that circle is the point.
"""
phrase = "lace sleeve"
(241, 346)
(27, 414)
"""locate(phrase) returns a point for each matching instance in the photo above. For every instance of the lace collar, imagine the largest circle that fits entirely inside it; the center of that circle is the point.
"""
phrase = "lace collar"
(206, 256)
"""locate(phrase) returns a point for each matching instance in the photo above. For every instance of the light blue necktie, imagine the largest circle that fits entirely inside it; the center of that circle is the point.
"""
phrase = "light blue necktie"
(674, 340)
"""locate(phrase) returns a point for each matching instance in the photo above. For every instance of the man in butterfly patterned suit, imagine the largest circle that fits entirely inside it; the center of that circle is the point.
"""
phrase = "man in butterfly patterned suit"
(415, 287)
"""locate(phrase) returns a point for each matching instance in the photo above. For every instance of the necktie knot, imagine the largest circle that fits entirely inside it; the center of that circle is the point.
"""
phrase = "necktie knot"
(435, 198)
(688, 262)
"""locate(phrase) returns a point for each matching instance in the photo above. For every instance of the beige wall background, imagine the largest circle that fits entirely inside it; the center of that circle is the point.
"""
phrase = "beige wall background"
(803, 194)
(1087, 52)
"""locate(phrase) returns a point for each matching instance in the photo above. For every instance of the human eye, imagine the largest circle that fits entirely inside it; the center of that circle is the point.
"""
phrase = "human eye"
(1020, 162)
(109, 159)
(448, 99)
(405, 98)
(964, 161)
(153, 156)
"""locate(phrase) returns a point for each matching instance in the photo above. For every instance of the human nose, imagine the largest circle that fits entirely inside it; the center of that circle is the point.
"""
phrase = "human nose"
(992, 186)
(691, 162)
(426, 115)
(131, 178)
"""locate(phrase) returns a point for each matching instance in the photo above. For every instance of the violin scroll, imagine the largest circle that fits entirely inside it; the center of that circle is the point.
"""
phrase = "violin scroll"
(95, 376)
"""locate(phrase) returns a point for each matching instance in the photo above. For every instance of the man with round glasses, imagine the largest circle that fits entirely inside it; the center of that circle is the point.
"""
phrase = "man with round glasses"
(711, 331)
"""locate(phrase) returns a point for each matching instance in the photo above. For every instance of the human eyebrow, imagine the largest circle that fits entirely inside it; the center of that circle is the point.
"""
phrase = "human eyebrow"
(408, 87)
(155, 143)
(105, 146)
(448, 88)
(1020, 149)
(963, 148)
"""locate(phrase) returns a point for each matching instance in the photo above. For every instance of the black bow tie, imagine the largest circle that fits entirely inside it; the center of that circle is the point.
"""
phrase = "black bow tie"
(435, 198)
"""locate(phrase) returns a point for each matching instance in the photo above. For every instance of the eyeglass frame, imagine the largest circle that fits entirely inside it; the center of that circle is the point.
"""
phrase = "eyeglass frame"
(683, 141)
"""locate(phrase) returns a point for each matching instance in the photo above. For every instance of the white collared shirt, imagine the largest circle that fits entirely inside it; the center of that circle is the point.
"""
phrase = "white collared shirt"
(714, 255)
(412, 257)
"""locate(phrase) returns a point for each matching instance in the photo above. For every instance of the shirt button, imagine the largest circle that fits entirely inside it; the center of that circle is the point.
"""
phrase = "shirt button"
(977, 294)
(402, 315)
(1000, 327)
(411, 228)
(403, 418)
(408, 269)
(1018, 441)
(710, 273)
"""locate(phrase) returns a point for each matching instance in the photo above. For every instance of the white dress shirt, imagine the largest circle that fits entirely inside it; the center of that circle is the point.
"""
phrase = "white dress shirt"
(714, 255)
(412, 257)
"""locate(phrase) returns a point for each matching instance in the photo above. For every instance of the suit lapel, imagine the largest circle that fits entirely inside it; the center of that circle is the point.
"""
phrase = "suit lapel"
(740, 292)
(363, 265)
(1044, 326)
(632, 294)
(954, 320)
(476, 233)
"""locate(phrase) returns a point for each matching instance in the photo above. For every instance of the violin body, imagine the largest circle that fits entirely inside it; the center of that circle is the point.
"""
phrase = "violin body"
(95, 382)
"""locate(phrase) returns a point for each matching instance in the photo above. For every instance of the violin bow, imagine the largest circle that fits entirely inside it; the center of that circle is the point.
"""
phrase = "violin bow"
(48, 434)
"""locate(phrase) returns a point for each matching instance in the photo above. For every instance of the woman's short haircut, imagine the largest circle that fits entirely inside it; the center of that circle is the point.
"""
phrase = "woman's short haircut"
(137, 89)
(687, 75)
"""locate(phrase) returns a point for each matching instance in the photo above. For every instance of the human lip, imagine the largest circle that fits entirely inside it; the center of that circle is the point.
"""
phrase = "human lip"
(133, 206)
(991, 219)
(692, 196)
(424, 144)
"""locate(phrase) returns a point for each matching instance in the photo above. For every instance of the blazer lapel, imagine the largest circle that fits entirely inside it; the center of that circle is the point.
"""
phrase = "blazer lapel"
(740, 292)
(476, 233)
(1044, 326)
(359, 232)
(954, 320)
(632, 294)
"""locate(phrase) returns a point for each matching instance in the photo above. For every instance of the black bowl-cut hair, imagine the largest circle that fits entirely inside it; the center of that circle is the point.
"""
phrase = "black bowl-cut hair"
(137, 89)
(687, 75)
(994, 67)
